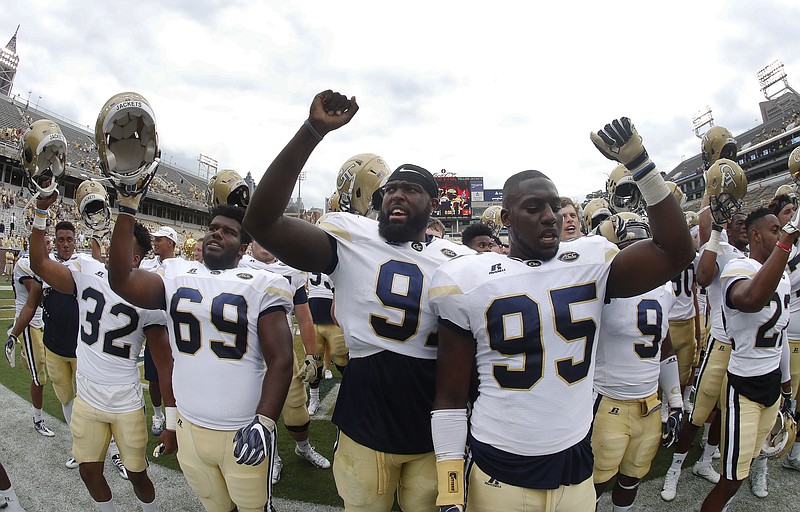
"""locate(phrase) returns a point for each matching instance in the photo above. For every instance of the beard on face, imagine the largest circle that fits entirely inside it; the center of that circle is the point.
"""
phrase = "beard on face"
(216, 261)
(405, 232)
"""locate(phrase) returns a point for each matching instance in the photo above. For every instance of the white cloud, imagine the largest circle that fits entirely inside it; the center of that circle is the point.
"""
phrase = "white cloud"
(478, 88)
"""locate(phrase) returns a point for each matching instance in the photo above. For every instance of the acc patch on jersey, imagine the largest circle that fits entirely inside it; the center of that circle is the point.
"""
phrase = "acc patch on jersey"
(449, 253)
(569, 256)
(244, 275)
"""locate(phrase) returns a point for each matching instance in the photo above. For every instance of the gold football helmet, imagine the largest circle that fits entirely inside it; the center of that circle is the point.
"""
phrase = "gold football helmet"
(127, 142)
(781, 438)
(43, 154)
(623, 193)
(333, 202)
(359, 183)
(726, 185)
(794, 165)
(92, 200)
(624, 228)
(676, 191)
(785, 190)
(596, 211)
(187, 249)
(692, 219)
(227, 187)
(717, 143)
(491, 217)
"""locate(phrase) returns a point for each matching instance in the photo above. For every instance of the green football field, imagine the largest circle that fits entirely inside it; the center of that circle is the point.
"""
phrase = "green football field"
(299, 480)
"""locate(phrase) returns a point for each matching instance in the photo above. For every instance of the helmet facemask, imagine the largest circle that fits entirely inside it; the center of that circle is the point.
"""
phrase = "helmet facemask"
(723, 207)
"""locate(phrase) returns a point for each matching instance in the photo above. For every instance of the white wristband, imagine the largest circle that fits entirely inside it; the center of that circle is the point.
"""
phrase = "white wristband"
(171, 414)
(449, 430)
(713, 242)
(653, 187)
(670, 382)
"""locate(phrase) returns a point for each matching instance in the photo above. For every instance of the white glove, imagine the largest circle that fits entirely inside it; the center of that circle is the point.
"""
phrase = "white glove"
(311, 366)
(11, 352)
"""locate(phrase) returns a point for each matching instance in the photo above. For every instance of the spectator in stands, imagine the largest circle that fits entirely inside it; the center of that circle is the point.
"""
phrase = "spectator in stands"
(478, 237)
(9, 267)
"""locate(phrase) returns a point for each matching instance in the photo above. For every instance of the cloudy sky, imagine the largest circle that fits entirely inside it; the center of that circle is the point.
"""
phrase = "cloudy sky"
(480, 89)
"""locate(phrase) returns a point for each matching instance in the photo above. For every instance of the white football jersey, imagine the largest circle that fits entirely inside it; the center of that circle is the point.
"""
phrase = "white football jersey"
(756, 338)
(535, 324)
(385, 286)
(320, 286)
(682, 286)
(793, 331)
(218, 367)
(22, 271)
(296, 278)
(629, 344)
(702, 294)
(150, 264)
(714, 291)
(111, 334)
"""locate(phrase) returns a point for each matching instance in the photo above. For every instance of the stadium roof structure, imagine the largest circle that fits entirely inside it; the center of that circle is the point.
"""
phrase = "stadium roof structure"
(82, 154)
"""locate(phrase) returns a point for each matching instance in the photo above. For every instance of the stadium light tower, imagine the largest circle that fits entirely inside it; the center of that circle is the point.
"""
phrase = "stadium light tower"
(9, 60)
(702, 119)
(206, 165)
(774, 74)
(300, 180)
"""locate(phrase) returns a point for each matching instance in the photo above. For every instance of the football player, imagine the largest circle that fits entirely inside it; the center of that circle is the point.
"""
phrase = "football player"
(60, 315)
(8, 496)
(165, 239)
(109, 395)
(781, 206)
(435, 228)
(629, 367)
(529, 322)
(228, 325)
(756, 293)
(329, 335)
(295, 414)
(29, 325)
(478, 237)
(572, 220)
(381, 272)
(726, 185)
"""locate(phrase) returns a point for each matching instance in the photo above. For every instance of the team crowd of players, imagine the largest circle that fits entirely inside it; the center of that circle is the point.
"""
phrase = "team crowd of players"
(479, 376)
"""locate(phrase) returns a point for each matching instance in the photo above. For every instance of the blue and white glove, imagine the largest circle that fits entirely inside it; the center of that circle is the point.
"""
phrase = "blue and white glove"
(11, 353)
(672, 428)
(253, 443)
(451, 508)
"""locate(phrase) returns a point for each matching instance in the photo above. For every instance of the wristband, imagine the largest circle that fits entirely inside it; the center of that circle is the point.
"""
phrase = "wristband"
(783, 246)
(652, 187)
(39, 219)
(713, 242)
(125, 210)
(312, 131)
(171, 415)
(670, 382)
